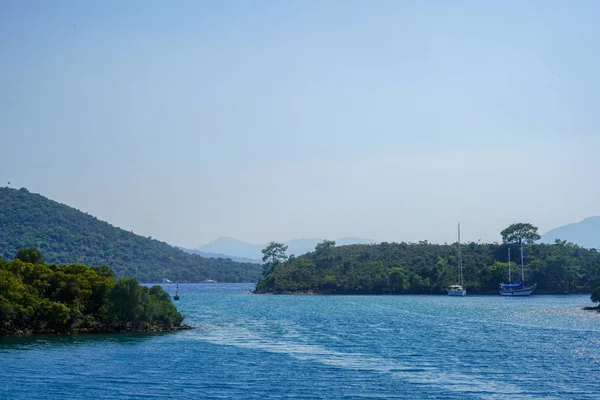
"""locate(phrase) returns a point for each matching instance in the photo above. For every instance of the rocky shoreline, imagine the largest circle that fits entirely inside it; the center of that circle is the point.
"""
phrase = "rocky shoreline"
(596, 308)
(113, 329)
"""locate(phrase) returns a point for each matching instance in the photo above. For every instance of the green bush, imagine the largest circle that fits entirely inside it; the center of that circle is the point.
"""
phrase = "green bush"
(596, 295)
(57, 313)
(30, 255)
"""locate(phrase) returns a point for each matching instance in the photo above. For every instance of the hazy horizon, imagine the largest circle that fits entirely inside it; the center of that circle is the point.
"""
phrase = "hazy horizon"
(270, 120)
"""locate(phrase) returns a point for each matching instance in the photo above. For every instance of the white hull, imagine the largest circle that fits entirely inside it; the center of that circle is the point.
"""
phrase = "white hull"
(526, 291)
(458, 290)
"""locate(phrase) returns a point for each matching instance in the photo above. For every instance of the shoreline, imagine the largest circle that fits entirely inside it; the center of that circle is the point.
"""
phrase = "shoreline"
(113, 330)
(592, 308)
(311, 293)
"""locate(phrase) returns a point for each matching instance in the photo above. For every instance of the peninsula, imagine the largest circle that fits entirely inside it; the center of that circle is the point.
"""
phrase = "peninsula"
(426, 268)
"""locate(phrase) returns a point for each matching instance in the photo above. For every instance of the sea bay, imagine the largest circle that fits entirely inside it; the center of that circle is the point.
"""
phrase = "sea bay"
(277, 346)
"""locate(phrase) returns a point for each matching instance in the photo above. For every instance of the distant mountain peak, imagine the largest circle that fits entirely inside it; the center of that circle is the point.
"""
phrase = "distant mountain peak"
(585, 233)
(226, 239)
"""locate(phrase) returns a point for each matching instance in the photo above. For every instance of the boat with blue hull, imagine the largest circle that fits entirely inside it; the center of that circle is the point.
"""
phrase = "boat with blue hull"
(516, 288)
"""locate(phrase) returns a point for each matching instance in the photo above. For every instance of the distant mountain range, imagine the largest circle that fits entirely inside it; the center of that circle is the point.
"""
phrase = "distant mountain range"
(238, 250)
(207, 254)
(585, 233)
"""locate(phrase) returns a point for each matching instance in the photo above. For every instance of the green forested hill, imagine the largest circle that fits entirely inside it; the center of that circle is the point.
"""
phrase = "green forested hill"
(430, 268)
(66, 236)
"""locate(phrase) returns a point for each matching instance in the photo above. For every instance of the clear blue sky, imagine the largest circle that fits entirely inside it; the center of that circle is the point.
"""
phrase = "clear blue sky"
(271, 120)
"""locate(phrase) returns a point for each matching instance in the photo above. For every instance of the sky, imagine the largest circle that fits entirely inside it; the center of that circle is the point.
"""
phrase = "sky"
(272, 120)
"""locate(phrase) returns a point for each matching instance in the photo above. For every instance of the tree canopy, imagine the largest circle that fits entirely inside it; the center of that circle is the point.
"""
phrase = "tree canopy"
(66, 235)
(519, 233)
(273, 254)
(30, 255)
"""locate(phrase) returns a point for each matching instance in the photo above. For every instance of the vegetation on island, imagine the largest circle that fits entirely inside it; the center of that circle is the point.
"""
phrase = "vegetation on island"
(595, 297)
(66, 236)
(419, 268)
(47, 298)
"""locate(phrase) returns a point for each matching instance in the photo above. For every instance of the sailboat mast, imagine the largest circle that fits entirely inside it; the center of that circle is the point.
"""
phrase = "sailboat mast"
(522, 272)
(509, 265)
(460, 275)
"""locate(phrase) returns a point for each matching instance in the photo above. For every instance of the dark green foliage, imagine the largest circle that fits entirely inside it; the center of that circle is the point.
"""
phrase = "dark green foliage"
(126, 299)
(430, 268)
(66, 235)
(596, 295)
(132, 302)
(30, 255)
(40, 298)
(103, 270)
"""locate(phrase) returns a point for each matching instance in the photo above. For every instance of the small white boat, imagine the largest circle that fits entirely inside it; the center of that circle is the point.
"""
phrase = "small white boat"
(458, 290)
(165, 280)
(209, 281)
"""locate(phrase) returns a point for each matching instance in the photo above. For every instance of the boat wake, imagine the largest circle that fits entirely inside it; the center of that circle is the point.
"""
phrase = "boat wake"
(415, 372)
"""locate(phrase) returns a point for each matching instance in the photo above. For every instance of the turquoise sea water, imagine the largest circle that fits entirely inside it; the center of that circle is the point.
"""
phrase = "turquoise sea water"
(326, 347)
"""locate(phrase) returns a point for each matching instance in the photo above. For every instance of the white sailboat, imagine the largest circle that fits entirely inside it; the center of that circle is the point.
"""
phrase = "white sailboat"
(517, 288)
(458, 290)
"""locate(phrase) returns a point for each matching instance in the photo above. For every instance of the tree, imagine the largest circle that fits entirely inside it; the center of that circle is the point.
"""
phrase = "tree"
(596, 295)
(273, 254)
(324, 252)
(105, 271)
(324, 247)
(126, 300)
(519, 233)
(30, 255)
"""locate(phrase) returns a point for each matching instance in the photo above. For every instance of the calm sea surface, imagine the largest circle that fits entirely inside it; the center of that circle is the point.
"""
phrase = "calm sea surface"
(327, 347)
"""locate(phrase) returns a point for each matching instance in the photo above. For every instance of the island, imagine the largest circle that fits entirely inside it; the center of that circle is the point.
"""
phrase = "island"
(426, 268)
(37, 298)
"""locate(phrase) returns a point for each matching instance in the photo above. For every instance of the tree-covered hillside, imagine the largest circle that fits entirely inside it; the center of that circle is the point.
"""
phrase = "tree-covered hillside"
(430, 268)
(66, 236)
